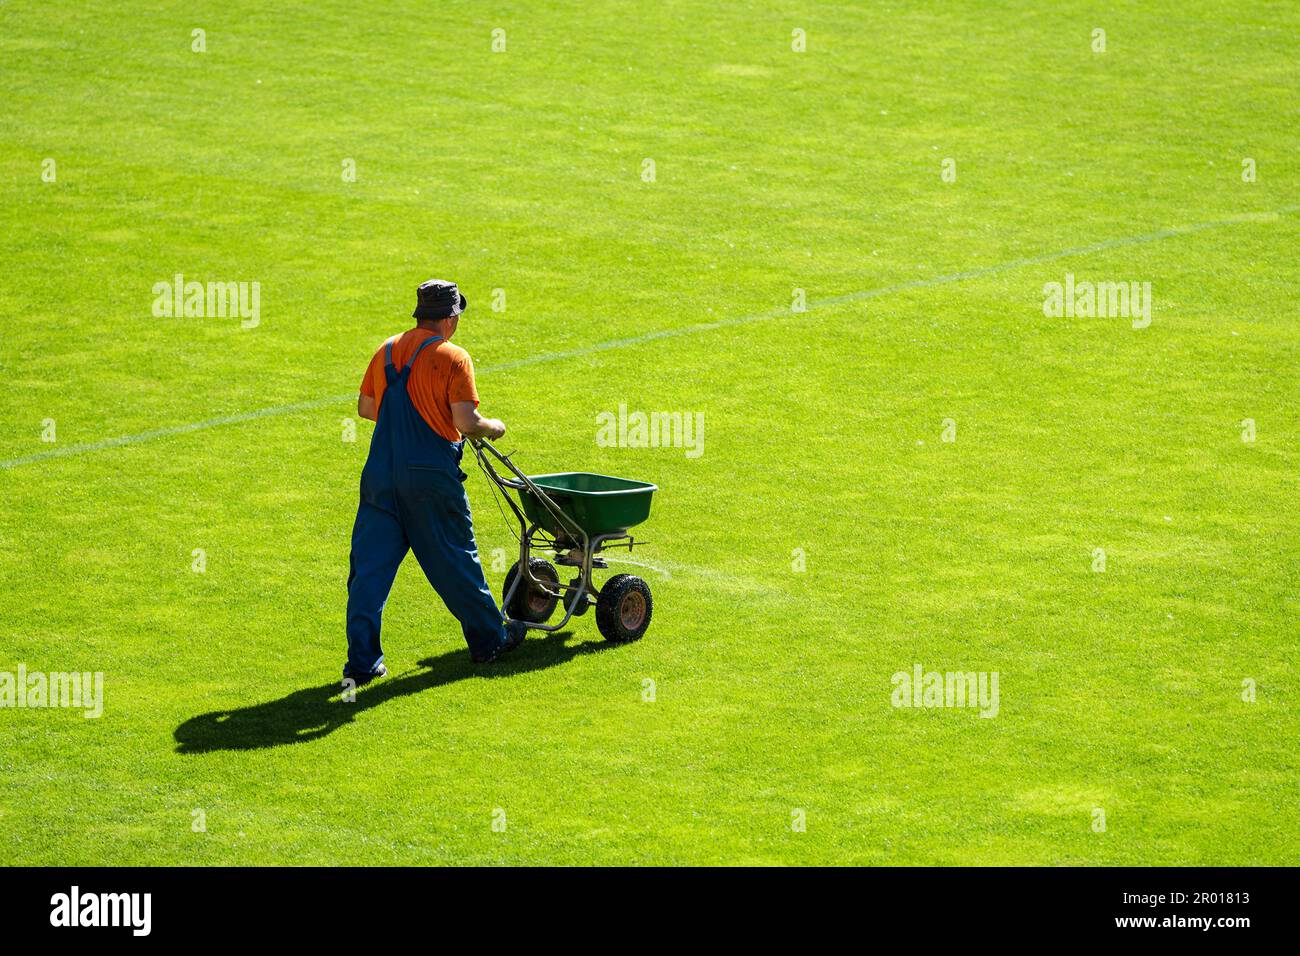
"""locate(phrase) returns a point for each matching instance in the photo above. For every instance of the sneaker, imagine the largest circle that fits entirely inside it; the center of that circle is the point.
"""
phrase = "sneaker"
(361, 680)
(515, 632)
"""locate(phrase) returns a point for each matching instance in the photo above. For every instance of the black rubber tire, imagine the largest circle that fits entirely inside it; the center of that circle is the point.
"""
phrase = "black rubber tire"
(624, 608)
(530, 604)
(582, 608)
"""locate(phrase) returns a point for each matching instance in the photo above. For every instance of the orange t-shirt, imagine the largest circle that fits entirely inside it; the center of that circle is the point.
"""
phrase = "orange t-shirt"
(442, 374)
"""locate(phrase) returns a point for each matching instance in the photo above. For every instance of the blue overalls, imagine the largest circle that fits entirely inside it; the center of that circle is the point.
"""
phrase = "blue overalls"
(412, 497)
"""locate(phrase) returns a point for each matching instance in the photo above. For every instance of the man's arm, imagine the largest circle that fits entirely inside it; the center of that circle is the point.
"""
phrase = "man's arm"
(471, 424)
(366, 407)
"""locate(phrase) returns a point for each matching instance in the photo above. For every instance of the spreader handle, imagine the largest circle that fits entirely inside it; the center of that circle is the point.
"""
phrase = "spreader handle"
(481, 443)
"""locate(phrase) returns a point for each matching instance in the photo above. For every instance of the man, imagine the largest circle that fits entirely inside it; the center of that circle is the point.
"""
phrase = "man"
(419, 390)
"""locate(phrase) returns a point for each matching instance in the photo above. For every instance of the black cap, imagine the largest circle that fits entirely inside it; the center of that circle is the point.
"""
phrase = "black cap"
(438, 299)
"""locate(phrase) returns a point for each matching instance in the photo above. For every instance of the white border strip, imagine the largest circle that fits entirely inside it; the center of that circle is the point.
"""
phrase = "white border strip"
(634, 340)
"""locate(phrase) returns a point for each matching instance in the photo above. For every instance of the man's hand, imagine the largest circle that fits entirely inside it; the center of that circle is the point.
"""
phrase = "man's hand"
(471, 424)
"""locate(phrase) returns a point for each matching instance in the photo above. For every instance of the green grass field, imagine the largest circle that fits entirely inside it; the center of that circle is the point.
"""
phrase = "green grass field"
(774, 170)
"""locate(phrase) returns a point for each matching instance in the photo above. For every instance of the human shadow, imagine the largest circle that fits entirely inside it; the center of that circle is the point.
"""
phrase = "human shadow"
(314, 712)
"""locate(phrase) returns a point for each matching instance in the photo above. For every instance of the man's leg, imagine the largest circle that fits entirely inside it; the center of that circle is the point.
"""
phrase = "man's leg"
(442, 537)
(378, 546)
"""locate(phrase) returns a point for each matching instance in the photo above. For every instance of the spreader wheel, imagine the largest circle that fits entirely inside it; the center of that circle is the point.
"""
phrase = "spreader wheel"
(582, 607)
(530, 603)
(624, 608)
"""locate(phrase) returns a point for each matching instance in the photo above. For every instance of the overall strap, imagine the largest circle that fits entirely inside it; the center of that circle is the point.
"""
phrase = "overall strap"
(419, 349)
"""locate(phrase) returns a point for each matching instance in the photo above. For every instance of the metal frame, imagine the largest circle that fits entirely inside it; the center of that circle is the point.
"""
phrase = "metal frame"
(572, 596)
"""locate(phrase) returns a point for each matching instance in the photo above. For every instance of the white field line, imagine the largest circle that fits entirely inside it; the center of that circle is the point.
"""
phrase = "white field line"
(634, 340)
(150, 435)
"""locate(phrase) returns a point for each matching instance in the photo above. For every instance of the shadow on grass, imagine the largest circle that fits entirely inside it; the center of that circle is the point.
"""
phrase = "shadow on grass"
(314, 712)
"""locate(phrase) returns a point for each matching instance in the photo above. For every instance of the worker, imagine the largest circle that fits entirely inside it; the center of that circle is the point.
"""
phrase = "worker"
(419, 390)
